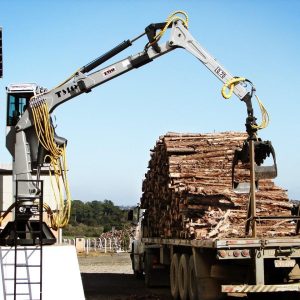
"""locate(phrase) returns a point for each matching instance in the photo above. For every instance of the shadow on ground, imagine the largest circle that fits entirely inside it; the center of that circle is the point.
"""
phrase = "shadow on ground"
(111, 286)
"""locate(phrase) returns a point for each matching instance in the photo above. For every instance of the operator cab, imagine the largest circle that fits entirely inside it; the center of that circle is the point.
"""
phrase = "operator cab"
(18, 97)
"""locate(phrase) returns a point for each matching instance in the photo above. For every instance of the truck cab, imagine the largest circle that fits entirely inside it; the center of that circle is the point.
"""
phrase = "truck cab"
(137, 247)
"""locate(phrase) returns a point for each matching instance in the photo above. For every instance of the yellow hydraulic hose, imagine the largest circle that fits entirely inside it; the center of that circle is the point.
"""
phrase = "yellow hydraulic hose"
(175, 16)
(58, 165)
(230, 84)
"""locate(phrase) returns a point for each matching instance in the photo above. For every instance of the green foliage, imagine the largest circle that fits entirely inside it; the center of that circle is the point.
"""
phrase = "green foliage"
(82, 230)
(93, 218)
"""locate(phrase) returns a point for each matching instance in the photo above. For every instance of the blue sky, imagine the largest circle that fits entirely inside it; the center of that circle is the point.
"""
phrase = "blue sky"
(111, 130)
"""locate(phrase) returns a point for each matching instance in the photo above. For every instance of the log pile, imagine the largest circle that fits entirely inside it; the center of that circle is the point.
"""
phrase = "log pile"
(187, 191)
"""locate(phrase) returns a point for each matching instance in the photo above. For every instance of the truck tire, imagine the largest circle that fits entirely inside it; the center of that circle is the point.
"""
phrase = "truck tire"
(174, 276)
(192, 284)
(148, 269)
(183, 276)
(137, 273)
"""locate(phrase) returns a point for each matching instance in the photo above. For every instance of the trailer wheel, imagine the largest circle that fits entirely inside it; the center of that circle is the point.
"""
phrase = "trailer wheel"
(183, 276)
(192, 284)
(148, 269)
(174, 276)
(138, 274)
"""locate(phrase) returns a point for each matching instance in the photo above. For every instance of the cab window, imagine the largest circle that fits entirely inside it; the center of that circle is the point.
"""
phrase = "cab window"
(16, 105)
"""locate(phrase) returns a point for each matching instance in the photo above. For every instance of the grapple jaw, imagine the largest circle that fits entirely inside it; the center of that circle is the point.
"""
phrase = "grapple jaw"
(243, 187)
(262, 150)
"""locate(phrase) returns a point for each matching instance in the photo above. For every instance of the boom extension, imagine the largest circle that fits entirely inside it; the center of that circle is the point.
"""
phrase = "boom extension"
(180, 37)
(149, 30)
(103, 58)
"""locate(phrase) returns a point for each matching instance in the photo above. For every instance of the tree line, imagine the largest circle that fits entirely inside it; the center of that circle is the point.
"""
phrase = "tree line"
(95, 217)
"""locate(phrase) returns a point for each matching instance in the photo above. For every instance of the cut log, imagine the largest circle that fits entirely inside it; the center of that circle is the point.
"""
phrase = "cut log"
(187, 190)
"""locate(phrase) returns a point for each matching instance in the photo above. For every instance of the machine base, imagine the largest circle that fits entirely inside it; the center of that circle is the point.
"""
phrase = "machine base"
(28, 233)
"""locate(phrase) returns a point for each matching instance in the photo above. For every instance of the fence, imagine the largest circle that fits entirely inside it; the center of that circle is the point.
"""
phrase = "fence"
(104, 245)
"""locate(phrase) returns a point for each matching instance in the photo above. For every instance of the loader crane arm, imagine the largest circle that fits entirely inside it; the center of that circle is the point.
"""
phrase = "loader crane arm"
(23, 141)
(82, 81)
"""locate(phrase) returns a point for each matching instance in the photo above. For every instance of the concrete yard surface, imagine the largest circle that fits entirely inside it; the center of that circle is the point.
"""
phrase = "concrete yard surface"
(110, 277)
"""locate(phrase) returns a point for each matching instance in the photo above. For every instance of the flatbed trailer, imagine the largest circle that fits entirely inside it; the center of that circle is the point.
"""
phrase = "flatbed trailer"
(214, 268)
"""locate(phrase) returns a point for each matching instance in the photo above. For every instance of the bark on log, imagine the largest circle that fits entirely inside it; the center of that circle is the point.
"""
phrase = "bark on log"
(187, 190)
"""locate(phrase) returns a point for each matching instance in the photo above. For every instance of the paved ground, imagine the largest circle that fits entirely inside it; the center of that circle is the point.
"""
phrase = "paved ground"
(109, 277)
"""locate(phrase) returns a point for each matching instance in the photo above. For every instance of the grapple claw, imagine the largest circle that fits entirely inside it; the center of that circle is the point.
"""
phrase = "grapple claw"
(262, 150)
